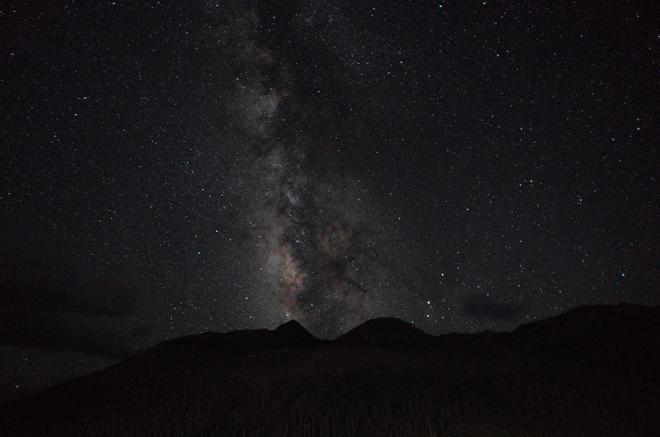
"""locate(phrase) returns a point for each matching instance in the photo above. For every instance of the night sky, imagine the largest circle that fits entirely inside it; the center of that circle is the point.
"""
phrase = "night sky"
(170, 168)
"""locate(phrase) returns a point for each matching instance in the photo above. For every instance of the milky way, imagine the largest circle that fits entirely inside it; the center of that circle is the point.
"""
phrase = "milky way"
(309, 227)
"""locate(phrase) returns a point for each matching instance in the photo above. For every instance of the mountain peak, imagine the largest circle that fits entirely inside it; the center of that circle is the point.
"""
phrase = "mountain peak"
(385, 331)
(294, 332)
(290, 325)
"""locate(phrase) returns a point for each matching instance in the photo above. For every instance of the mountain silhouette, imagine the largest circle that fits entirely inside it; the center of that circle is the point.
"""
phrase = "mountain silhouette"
(292, 333)
(386, 331)
(593, 371)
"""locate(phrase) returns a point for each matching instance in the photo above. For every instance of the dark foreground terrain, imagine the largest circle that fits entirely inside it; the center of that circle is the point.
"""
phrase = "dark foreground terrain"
(594, 371)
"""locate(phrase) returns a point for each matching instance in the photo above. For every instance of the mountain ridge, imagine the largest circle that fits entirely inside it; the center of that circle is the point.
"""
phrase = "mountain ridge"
(382, 377)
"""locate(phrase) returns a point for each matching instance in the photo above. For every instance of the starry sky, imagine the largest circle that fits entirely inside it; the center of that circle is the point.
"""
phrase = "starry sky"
(173, 167)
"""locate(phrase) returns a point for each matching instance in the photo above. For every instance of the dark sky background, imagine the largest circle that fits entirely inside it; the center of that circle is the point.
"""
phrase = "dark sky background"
(170, 168)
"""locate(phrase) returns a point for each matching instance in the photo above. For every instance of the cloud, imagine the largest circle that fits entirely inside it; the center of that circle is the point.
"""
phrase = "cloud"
(482, 307)
(46, 306)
